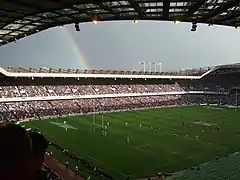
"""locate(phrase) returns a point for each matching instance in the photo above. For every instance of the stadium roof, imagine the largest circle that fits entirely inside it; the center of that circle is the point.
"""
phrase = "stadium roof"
(94, 73)
(20, 18)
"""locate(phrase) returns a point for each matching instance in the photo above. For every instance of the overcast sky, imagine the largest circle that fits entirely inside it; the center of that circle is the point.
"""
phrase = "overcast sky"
(121, 45)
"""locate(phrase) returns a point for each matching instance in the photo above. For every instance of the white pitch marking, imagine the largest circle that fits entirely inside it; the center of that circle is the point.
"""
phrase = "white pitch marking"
(141, 146)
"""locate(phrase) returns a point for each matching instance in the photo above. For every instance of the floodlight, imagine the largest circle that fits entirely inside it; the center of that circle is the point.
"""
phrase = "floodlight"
(176, 22)
(95, 19)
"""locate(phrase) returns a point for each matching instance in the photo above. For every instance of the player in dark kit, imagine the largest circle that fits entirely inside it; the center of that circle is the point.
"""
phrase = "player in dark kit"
(102, 132)
(128, 177)
(183, 124)
(159, 174)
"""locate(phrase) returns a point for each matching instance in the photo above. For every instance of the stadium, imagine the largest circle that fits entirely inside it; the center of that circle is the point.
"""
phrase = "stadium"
(125, 115)
(117, 124)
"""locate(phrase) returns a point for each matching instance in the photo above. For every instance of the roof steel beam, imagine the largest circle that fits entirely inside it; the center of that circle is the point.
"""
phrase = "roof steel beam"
(222, 8)
(166, 6)
(195, 7)
(230, 17)
(135, 6)
(109, 9)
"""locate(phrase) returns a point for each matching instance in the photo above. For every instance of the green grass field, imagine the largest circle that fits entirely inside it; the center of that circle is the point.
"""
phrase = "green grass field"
(150, 150)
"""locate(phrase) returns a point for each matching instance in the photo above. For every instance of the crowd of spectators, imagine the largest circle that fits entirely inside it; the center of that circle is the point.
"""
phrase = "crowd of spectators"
(41, 109)
(127, 100)
(73, 90)
(22, 158)
(128, 96)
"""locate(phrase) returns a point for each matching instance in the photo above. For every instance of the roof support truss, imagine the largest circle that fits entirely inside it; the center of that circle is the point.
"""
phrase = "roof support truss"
(105, 8)
(20, 18)
(137, 8)
(222, 8)
(195, 7)
(231, 17)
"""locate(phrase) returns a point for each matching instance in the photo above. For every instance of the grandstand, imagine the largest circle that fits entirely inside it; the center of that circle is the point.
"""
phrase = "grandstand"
(66, 96)
(34, 93)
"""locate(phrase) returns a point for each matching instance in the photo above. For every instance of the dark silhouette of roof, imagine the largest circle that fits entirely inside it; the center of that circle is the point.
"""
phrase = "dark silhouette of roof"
(20, 18)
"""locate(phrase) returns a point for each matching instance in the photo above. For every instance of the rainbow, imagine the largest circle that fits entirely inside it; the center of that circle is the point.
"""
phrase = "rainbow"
(76, 50)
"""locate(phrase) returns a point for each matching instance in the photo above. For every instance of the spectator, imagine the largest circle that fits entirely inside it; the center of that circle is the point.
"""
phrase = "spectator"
(39, 146)
(15, 153)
